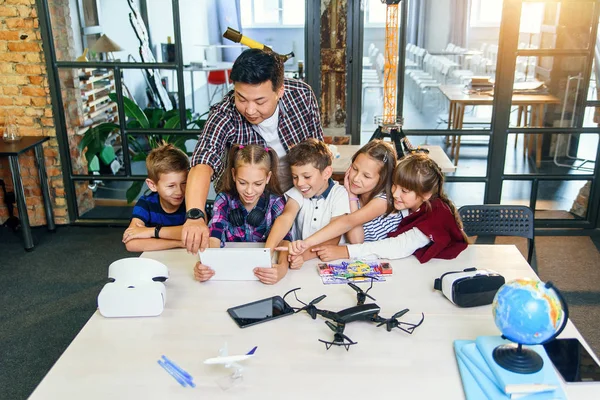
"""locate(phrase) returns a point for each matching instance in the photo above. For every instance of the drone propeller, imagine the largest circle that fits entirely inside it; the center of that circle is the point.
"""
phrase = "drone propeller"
(361, 295)
(339, 339)
(393, 322)
(310, 307)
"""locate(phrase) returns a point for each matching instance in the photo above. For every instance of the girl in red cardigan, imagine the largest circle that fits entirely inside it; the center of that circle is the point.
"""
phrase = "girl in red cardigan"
(432, 229)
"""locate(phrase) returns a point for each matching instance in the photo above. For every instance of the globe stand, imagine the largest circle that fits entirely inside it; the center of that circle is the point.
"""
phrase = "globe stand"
(516, 359)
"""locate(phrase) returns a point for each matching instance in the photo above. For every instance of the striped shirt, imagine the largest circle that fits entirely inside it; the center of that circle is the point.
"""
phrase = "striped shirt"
(149, 210)
(299, 119)
(221, 229)
(378, 227)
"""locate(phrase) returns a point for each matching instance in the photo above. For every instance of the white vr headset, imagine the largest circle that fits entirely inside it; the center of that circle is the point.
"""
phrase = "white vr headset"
(471, 287)
(135, 288)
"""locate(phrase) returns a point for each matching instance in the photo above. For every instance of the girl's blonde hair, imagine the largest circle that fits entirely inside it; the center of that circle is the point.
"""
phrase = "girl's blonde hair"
(251, 154)
(385, 153)
(420, 174)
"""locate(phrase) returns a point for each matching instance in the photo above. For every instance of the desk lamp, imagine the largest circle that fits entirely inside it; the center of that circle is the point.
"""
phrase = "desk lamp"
(106, 45)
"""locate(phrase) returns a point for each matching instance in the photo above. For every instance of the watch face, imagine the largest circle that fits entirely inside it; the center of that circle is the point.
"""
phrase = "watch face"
(195, 213)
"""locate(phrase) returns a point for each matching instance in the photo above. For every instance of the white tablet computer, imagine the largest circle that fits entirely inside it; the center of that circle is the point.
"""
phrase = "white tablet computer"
(235, 263)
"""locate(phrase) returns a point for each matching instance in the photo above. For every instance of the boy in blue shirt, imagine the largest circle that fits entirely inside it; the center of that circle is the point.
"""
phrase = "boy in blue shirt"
(157, 218)
(313, 202)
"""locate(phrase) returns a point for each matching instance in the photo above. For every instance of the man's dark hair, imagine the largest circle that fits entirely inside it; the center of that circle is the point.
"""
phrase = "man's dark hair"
(255, 66)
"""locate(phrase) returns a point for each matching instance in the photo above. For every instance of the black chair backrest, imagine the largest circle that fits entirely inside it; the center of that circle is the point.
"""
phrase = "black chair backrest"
(497, 220)
(208, 208)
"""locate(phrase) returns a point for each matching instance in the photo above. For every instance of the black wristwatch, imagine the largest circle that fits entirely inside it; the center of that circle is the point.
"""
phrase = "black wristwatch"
(195, 213)
(157, 230)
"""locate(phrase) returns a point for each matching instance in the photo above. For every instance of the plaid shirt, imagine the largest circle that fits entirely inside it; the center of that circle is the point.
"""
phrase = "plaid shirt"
(221, 229)
(299, 119)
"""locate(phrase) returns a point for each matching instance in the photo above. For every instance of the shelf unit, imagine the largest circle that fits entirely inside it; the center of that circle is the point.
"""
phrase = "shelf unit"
(95, 85)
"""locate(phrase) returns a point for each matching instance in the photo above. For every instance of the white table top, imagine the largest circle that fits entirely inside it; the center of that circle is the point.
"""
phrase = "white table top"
(341, 164)
(210, 66)
(117, 358)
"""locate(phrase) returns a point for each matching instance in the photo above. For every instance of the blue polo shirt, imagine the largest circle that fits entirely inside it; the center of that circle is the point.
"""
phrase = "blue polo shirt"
(149, 210)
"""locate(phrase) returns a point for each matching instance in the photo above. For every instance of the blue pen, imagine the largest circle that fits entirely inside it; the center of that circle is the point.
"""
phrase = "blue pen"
(172, 373)
(178, 368)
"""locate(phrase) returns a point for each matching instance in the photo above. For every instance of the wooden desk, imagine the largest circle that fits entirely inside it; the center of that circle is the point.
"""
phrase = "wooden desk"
(342, 163)
(458, 100)
(117, 358)
(12, 150)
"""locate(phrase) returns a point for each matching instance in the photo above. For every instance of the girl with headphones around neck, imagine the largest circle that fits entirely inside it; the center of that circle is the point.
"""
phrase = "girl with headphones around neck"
(247, 206)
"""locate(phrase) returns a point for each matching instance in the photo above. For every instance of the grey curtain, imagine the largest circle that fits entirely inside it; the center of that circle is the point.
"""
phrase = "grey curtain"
(416, 22)
(225, 13)
(459, 17)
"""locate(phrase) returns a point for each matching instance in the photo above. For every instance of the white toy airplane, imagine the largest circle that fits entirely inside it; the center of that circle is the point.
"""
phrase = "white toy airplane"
(230, 361)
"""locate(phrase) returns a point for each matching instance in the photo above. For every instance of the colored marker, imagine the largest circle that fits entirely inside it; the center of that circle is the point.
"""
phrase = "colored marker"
(173, 373)
(181, 371)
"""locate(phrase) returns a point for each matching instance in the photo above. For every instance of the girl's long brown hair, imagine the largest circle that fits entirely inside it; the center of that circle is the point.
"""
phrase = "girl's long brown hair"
(251, 154)
(419, 173)
(385, 153)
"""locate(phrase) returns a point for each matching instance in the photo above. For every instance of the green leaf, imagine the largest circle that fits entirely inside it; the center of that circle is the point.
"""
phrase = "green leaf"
(134, 190)
(132, 110)
(94, 139)
(139, 157)
(172, 123)
(157, 116)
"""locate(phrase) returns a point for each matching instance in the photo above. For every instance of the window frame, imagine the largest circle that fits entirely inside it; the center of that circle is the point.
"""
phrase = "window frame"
(280, 25)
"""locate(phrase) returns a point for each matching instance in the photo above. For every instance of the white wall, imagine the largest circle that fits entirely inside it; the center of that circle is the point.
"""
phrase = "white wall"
(114, 19)
(76, 27)
(437, 24)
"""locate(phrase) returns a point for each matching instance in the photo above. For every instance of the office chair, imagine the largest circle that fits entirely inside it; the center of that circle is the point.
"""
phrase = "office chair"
(218, 78)
(499, 220)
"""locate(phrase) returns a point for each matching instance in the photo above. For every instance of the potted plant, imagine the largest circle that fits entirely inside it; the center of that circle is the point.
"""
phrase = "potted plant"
(98, 152)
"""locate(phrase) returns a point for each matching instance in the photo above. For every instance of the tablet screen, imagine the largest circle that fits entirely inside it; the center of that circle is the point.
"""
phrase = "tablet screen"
(573, 361)
(260, 311)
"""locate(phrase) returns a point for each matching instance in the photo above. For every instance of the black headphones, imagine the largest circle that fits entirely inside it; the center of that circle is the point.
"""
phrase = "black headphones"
(255, 217)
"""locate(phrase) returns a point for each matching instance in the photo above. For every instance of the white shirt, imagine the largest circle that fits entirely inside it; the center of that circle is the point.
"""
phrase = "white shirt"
(268, 130)
(317, 212)
(400, 246)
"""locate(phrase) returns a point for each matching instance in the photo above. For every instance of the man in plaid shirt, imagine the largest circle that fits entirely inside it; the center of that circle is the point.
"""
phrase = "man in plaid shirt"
(264, 108)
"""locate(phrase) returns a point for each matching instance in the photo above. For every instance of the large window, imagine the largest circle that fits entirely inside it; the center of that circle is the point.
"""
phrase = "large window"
(272, 13)
(486, 13)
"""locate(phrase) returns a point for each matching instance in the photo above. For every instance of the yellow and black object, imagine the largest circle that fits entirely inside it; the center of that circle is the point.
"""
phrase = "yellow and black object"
(237, 37)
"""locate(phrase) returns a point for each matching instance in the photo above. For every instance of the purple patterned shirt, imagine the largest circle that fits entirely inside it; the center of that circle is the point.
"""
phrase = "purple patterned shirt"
(221, 229)
(299, 119)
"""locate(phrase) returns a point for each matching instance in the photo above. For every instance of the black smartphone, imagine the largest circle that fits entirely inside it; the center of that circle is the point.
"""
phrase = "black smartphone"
(260, 311)
(573, 361)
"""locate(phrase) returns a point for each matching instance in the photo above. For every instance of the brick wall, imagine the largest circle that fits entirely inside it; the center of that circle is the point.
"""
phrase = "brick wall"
(24, 93)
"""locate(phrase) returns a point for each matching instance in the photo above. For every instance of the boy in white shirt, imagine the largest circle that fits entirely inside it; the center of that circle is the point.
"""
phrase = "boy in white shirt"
(313, 202)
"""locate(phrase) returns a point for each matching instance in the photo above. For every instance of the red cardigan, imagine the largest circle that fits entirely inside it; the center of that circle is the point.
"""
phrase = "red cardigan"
(438, 223)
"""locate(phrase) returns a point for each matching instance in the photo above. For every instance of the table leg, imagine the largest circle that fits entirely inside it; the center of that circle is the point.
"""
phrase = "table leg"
(15, 170)
(539, 137)
(193, 97)
(458, 124)
(39, 155)
(451, 109)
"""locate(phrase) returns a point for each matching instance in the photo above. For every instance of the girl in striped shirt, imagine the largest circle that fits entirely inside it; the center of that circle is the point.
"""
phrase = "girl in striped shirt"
(368, 182)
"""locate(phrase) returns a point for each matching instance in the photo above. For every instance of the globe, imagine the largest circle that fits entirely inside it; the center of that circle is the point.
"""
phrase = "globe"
(528, 311)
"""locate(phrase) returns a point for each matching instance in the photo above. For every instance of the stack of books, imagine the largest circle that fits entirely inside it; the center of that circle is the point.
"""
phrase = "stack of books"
(480, 84)
(483, 378)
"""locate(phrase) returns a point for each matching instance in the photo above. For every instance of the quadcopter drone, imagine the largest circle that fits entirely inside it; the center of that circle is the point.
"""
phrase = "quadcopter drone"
(361, 312)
